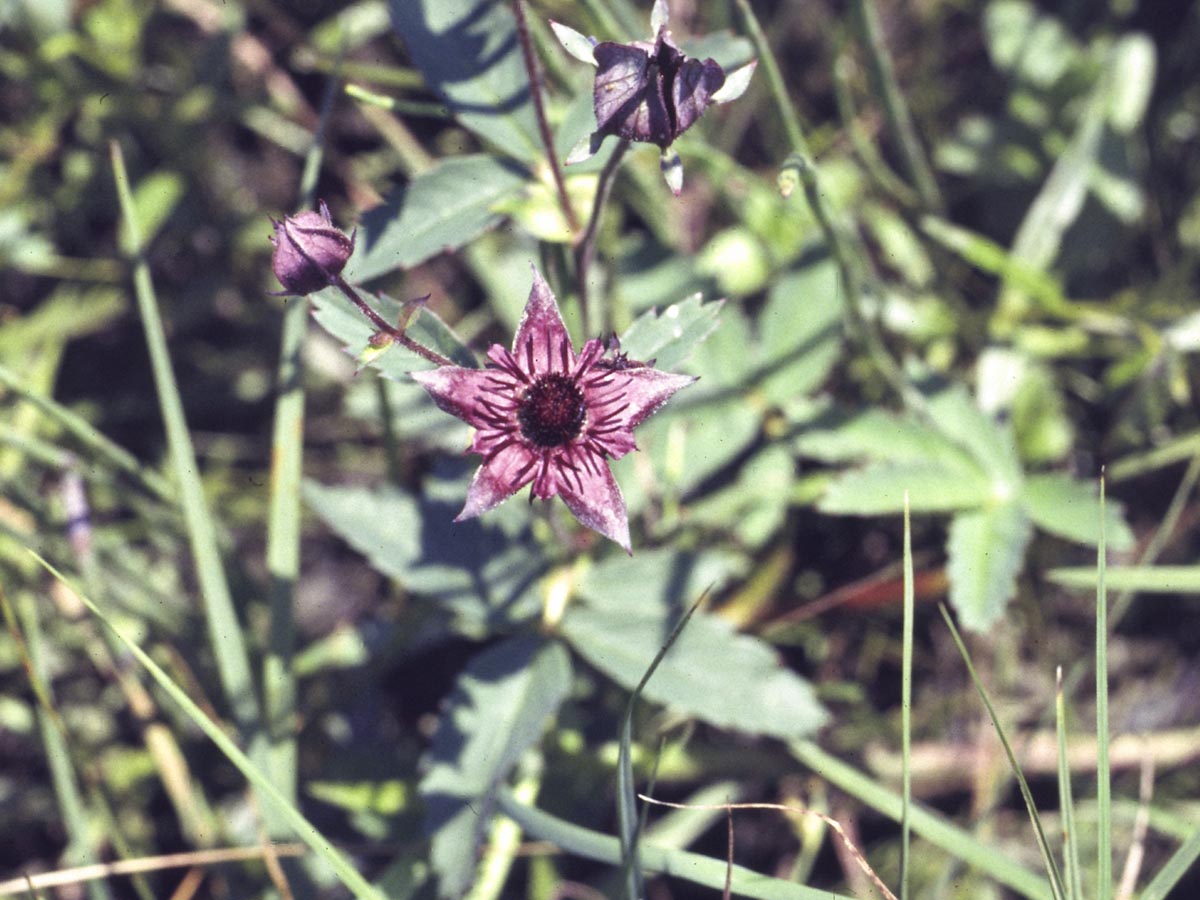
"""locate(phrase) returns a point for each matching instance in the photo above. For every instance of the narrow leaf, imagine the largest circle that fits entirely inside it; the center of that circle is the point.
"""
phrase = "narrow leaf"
(693, 867)
(306, 831)
(1056, 883)
(1151, 579)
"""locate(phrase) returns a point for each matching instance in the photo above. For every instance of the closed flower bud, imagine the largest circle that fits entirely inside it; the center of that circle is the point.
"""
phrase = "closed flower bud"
(309, 251)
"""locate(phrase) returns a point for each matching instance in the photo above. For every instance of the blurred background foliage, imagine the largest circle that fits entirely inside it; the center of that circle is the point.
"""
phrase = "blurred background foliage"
(1040, 300)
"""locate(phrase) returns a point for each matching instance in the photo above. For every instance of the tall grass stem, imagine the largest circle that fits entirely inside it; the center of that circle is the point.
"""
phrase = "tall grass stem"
(895, 109)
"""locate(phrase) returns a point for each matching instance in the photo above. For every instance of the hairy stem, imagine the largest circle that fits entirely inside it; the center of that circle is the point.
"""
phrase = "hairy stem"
(585, 250)
(539, 109)
(386, 327)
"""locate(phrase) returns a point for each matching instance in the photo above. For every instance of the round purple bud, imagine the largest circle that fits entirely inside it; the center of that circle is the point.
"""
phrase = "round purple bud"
(309, 250)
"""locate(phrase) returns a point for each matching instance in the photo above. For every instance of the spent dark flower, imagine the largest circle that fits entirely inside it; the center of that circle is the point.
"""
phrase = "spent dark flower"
(649, 91)
(309, 250)
(550, 418)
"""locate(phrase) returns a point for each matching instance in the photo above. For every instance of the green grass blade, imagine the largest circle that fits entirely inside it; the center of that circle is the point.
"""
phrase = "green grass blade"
(928, 825)
(283, 509)
(627, 817)
(1174, 869)
(283, 549)
(883, 74)
(88, 436)
(906, 705)
(225, 632)
(1065, 800)
(1056, 883)
(74, 812)
(1103, 773)
(304, 830)
(691, 867)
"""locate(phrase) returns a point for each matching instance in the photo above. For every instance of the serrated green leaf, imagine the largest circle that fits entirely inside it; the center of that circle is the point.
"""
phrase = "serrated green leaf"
(879, 436)
(470, 57)
(1070, 509)
(711, 672)
(878, 488)
(955, 413)
(443, 208)
(340, 318)
(662, 579)
(984, 552)
(668, 337)
(498, 710)
(483, 572)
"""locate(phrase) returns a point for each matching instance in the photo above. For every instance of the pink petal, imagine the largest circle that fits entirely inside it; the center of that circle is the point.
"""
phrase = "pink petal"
(591, 493)
(502, 474)
(541, 344)
(620, 400)
(462, 392)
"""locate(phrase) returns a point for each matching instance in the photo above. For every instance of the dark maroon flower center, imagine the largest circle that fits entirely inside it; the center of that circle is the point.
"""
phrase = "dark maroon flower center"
(551, 411)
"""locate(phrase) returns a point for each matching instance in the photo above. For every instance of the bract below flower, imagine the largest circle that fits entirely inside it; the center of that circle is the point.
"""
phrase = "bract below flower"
(550, 418)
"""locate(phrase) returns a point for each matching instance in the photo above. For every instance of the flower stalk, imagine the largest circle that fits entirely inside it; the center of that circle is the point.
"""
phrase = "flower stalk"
(585, 250)
(384, 327)
(539, 111)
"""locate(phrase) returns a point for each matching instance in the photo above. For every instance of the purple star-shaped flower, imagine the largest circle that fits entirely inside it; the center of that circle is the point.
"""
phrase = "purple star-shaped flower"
(545, 416)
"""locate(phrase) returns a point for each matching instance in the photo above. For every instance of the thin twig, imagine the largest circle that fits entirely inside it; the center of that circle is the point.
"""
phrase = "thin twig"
(384, 326)
(1141, 825)
(798, 810)
(728, 891)
(539, 111)
(81, 874)
(585, 250)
